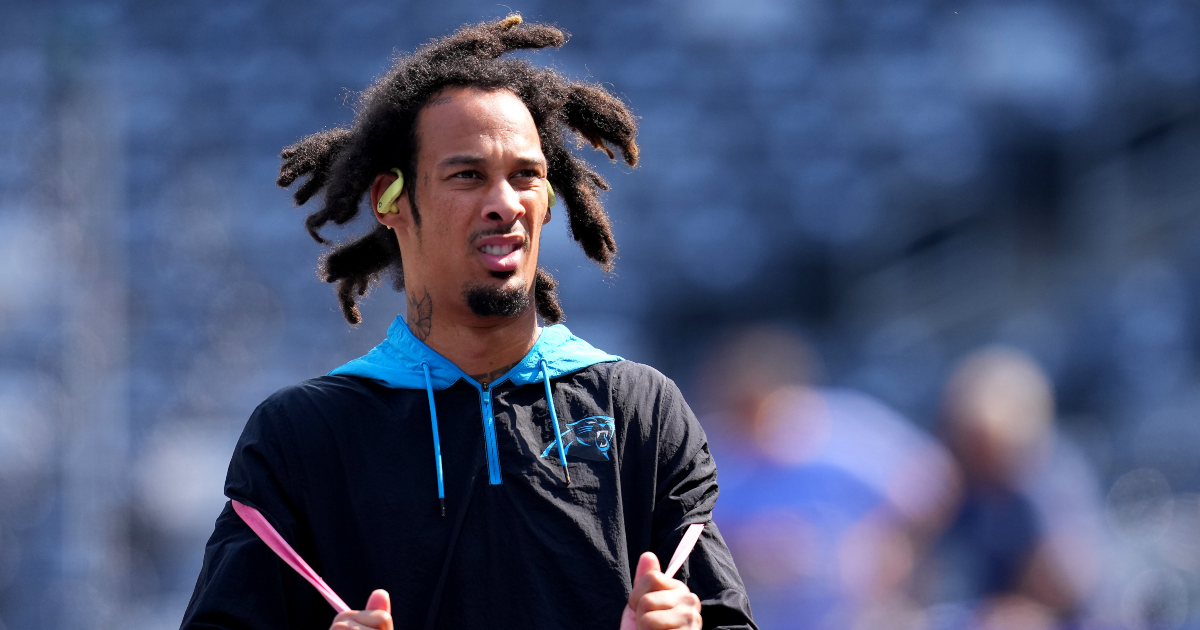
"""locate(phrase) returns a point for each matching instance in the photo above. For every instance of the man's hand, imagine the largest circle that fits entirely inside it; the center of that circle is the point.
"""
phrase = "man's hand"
(378, 614)
(659, 603)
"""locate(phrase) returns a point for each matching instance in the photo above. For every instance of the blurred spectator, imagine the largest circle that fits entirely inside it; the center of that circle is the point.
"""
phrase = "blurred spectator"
(1022, 549)
(828, 496)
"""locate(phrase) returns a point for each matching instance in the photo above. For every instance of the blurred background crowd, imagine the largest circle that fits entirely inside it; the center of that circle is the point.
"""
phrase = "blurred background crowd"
(924, 269)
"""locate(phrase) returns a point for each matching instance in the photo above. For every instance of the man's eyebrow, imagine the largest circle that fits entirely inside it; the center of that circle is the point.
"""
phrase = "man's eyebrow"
(458, 160)
(529, 161)
(474, 160)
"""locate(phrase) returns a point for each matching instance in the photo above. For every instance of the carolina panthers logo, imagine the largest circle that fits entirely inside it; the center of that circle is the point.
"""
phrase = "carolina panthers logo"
(589, 438)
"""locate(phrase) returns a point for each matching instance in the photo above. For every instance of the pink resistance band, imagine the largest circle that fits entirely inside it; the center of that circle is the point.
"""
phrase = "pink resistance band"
(685, 547)
(255, 520)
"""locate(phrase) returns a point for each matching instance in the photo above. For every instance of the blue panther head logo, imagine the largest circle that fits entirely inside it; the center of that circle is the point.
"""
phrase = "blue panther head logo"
(589, 438)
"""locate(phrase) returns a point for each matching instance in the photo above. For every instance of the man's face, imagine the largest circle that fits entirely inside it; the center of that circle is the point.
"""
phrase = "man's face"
(481, 195)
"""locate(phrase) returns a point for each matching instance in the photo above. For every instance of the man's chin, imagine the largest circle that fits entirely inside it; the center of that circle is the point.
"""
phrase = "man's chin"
(491, 299)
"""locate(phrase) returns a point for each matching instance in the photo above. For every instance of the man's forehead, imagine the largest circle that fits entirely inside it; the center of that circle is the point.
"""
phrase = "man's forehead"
(456, 119)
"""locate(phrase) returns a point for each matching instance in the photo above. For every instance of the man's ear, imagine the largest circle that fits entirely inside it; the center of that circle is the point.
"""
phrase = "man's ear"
(403, 216)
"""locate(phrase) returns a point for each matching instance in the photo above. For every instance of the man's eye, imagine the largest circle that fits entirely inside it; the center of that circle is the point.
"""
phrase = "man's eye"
(527, 174)
(466, 174)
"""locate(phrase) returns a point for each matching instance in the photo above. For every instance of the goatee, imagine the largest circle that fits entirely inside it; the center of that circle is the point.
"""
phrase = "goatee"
(486, 301)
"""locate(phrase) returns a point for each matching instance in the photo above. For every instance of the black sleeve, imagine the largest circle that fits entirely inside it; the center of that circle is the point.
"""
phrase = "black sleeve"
(243, 585)
(685, 493)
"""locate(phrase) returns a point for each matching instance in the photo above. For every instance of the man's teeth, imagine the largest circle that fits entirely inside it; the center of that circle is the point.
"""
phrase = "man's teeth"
(498, 250)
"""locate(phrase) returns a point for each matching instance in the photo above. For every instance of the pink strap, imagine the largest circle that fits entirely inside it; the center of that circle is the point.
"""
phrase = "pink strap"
(255, 520)
(685, 547)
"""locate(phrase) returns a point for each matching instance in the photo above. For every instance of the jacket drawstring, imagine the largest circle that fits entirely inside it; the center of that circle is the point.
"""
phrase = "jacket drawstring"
(437, 446)
(562, 455)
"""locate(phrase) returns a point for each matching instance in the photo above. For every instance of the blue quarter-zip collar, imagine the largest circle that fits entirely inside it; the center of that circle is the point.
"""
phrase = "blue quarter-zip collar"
(396, 362)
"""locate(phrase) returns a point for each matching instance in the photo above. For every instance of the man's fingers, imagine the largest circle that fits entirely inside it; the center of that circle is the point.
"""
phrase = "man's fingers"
(379, 600)
(648, 577)
(680, 618)
(659, 602)
(378, 619)
(348, 624)
(362, 620)
(628, 619)
(666, 600)
(675, 607)
(377, 616)
(650, 582)
(648, 562)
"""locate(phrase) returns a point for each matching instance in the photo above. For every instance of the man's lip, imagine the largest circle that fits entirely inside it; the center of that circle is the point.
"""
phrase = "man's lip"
(503, 239)
(501, 262)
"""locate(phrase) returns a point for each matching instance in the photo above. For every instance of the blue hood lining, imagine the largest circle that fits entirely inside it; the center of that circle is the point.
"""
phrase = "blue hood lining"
(397, 361)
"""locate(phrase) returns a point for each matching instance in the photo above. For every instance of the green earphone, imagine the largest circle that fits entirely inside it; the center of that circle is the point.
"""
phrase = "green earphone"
(387, 203)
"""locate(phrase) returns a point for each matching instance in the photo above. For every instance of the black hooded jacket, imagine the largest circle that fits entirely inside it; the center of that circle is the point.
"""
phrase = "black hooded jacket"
(344, 467)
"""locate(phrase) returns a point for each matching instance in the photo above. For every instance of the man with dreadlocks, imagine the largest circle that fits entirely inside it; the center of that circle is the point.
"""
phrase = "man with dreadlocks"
(559, 474)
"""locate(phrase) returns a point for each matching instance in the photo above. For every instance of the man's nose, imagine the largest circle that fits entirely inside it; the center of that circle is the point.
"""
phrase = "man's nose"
(503, 204)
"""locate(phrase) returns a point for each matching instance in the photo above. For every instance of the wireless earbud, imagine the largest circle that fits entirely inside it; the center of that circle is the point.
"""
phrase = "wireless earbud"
(387, 202)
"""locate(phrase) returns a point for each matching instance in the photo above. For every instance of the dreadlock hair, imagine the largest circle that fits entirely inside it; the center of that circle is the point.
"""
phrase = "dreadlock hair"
(343, 162)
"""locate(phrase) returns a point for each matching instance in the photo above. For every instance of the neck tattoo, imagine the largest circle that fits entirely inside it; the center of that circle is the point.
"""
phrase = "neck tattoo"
(420, 314)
